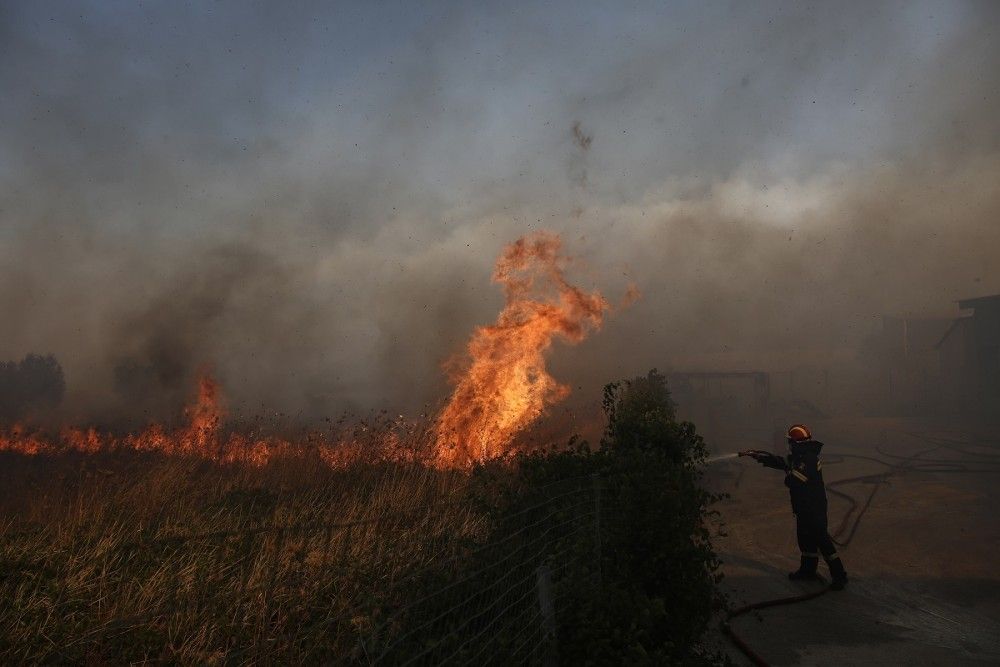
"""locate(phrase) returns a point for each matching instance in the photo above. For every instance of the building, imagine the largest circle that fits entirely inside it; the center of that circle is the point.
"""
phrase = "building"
(906, 364)
(970, 358)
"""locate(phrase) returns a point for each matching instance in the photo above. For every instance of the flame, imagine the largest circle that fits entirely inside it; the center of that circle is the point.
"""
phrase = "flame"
(502, 385)
(202, 436)
(204, 417)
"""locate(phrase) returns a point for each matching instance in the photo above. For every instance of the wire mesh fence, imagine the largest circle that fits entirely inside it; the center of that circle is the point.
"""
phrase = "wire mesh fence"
(500, 601)
(438, 583)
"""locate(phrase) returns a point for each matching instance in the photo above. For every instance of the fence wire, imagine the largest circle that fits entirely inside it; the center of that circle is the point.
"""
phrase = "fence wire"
(407, 590)
(497, 602)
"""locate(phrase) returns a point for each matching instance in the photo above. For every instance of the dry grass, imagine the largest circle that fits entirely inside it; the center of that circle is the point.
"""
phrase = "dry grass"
(130, 558)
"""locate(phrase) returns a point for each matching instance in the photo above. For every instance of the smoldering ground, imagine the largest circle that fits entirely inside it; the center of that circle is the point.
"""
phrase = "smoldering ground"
(310, 200)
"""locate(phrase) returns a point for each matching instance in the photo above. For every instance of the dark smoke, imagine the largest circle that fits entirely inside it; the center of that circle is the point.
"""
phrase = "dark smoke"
(309, 200)
(29, 387)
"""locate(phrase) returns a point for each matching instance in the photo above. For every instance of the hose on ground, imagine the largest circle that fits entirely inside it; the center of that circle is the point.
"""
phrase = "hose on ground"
(914, 462)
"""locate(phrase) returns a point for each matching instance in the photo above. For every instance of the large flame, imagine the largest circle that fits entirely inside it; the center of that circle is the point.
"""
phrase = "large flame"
(502, 386)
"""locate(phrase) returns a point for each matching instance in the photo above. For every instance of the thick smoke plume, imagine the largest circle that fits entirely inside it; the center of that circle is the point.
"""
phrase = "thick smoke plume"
(310, 199)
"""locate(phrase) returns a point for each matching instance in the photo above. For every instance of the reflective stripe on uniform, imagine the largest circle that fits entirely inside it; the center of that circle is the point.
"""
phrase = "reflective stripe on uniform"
(819, 465)
(800, 475)
(833, 556)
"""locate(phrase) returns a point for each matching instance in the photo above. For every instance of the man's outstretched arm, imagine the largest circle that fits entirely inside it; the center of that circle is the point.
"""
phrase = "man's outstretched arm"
(767, 459)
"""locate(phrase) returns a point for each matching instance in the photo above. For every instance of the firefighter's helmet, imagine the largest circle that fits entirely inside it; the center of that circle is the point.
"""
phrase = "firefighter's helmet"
(799, 433)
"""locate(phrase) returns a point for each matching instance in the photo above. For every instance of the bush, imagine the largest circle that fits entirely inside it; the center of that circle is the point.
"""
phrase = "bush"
(650, 594)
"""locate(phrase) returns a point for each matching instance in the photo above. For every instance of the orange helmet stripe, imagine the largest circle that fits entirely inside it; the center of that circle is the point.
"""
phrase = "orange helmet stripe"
(799, 432)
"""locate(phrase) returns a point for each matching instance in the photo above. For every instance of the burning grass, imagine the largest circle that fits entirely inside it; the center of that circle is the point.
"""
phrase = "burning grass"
(204, 436)
(502, 387)
(207, 544)
(134, 556)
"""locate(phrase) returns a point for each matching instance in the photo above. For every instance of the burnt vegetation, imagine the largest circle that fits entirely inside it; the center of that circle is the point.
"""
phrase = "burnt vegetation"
(130, 557)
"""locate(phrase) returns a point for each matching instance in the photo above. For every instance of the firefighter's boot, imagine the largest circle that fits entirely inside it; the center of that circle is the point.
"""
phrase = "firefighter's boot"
(807, 568)
(838, 574)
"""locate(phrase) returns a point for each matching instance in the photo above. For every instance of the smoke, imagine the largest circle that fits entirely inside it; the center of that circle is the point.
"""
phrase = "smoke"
(311, 200)
(33, 384)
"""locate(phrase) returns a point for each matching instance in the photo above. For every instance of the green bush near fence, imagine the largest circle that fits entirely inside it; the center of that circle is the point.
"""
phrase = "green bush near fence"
(642, 589)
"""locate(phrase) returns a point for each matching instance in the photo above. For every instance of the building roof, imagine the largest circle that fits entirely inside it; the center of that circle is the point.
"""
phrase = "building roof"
(979, 302)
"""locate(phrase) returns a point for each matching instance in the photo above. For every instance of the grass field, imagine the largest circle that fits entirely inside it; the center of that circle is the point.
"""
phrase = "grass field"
(132, 558)
(126, 556)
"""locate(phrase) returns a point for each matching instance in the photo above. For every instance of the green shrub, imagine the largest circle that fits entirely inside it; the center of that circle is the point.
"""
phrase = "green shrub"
(650, 594)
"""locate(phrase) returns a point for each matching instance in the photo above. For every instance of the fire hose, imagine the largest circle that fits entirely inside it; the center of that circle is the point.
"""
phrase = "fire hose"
(914, 462)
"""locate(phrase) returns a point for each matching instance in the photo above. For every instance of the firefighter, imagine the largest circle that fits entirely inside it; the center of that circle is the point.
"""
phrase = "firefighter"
(804, 479)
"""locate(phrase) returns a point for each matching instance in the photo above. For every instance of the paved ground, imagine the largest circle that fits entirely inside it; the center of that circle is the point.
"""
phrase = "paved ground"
(924, 582)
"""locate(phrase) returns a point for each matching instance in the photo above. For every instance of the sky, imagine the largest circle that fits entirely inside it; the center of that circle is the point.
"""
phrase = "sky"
(308, 197)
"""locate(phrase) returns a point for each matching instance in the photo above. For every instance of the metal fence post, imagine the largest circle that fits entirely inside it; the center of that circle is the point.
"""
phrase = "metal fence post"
(547, 607)
(596, 481)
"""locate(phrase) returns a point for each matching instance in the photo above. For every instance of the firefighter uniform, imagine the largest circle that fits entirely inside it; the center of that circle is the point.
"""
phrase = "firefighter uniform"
(804, 479)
